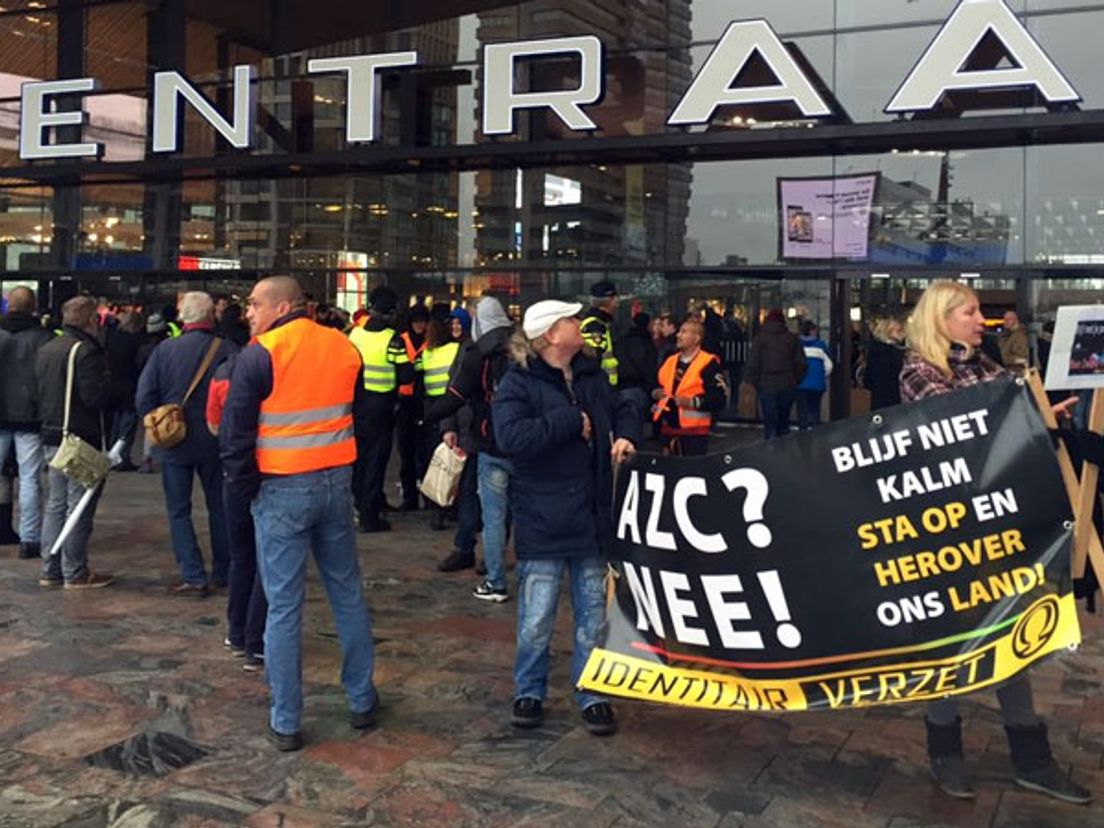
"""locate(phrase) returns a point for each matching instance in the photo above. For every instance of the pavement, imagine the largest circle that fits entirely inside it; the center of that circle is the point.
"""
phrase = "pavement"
(120, 707)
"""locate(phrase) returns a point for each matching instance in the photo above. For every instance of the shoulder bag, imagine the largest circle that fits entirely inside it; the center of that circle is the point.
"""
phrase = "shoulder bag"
(75, 458)
(165, 425)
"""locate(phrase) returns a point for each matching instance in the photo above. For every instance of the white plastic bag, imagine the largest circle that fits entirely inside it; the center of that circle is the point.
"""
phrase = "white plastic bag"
(442, 480)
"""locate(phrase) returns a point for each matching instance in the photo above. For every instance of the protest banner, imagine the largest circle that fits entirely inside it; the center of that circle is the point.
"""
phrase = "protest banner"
(913, 554)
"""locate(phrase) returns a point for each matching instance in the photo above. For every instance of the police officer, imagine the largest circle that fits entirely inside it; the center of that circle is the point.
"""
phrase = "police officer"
(288, 446)
(440, 352)
(410, 411)
(386, 367)
(597, 327)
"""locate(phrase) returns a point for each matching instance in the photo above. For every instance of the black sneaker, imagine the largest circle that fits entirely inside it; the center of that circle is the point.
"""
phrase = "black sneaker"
(456, 561)
(253, 663)
(487, 592)
(598, 719)
(29, 550)
(950, 775)
(528, 712)
(365, 719)
(1053, 781)
(377, 525)
(233, 649)
(285, 742)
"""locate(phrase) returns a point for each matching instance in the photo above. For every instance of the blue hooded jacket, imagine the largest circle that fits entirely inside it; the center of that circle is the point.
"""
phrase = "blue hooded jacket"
(818, 362)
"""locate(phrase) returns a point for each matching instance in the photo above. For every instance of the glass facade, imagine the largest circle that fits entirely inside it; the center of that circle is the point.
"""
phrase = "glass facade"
(758, 206)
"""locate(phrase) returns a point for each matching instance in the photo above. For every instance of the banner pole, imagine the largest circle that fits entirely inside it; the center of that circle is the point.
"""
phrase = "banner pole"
(1091, 548)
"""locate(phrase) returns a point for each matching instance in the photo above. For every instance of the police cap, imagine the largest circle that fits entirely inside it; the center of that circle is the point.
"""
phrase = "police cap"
(603, 290)
(383, 300)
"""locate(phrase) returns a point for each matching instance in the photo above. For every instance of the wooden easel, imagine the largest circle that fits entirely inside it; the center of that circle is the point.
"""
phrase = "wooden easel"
(1082, 493)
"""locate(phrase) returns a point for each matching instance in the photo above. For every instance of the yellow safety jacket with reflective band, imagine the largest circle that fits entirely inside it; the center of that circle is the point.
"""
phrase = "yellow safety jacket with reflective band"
(435, 367)
(379, 365)
(602, 344)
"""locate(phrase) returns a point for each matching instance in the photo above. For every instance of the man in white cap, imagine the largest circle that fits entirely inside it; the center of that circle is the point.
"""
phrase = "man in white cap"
(554, 416)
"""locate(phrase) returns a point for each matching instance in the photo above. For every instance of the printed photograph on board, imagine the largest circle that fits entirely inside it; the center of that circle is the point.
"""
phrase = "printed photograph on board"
(1077, 350)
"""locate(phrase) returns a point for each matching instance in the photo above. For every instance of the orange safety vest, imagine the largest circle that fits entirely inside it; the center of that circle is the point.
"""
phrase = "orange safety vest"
(691, 421)
(412, 354)
(306, 423)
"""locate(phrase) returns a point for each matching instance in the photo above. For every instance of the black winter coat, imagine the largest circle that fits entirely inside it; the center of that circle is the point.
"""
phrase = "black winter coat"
(884, 362)
(18, 391)
(561, 485)
(122, 357)
(91, 387)
(637, 360)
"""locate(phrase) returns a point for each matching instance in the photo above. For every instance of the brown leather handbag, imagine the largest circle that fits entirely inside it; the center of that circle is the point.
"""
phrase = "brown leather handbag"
(165, 425)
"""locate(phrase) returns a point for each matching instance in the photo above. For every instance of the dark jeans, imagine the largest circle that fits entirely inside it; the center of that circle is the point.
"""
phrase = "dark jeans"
(808, 408)
(176, 478)
(374, 438)
(246, 607)
(688, 445)
(409, 437)
(776, 407)
(467, 505)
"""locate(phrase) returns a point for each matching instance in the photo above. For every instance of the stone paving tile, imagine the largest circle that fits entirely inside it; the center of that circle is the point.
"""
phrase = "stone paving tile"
(80, 673)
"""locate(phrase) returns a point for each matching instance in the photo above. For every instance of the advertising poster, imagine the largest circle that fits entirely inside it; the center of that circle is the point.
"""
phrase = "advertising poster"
(906, 556)
(826, 218)
(1077, 350)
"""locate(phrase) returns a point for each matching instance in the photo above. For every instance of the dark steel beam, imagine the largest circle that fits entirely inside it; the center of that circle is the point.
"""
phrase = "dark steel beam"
(672, 147)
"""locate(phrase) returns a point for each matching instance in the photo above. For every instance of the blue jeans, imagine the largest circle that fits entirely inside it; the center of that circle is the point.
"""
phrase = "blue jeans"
(294, 516)
(467, 506)
(63, 495)
(176, 478)
(246, 607)
(776, 407)
(494, 497)
(538, 596)
(30, 460)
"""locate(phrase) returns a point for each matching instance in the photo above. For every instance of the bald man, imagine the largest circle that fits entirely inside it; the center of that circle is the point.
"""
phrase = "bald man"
(20, 418)
(288, 445)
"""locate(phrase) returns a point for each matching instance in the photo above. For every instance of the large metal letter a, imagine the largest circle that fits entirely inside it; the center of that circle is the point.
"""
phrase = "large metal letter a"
(940, 68)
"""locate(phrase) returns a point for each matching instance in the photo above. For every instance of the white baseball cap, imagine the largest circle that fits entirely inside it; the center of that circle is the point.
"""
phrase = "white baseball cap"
(540, 317)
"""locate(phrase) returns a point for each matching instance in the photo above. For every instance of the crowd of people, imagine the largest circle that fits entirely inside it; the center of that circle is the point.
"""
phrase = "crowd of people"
(289, 426)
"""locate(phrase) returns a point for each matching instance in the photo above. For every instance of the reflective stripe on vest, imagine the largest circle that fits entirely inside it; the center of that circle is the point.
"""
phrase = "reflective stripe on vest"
(692, 385)
(306, 423)
(435, 367)
(379, 373)
(412, 354)
(604, 345)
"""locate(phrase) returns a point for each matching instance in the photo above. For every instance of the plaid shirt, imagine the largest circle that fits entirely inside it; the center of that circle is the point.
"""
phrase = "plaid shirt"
(920, 379)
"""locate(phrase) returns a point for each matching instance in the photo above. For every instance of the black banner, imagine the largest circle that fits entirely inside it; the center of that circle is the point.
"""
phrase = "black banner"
(911, 554)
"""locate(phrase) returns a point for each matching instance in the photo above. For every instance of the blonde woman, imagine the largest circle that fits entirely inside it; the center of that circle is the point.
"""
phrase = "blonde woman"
(944, 334)
(885, 357)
